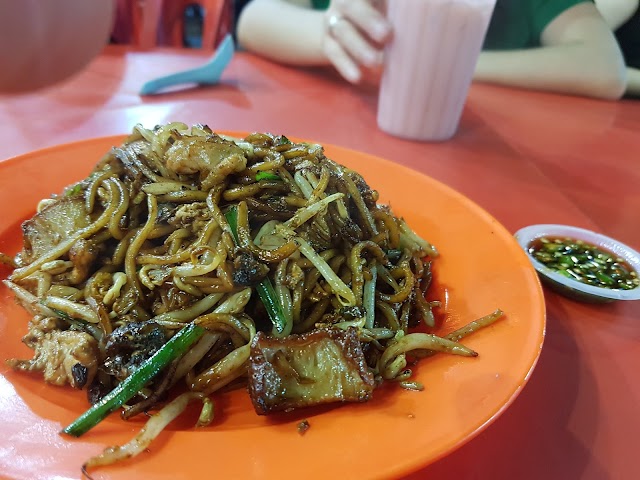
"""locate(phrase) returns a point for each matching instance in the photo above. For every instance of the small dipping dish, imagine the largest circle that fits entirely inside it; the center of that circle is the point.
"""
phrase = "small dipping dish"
(578, 263)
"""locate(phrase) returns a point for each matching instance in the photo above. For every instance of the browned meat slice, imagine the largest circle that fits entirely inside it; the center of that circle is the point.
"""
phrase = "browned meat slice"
(210, 156)
(129, 345)
(109, 162)
(319, 367)
(51, 225)
(39, 326)
(62, 356)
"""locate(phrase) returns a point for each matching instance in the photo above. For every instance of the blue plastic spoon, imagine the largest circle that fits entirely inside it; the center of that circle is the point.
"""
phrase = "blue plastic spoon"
(207, 74)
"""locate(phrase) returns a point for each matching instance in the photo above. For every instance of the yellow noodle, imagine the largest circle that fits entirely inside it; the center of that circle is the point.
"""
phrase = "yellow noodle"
(275, 160)
(136, 243)
(313, 317)
(212, 319)
(321, 185)
(233, 304)
(114, 223)
(244, 238)
(389, 226)
(182, 256)
(183, 196)
(186, 287)
(405, 289)
(92, 190)
(355, 264)
(188, 314)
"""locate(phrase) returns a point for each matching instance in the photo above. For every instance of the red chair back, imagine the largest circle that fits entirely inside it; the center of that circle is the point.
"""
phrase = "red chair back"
(151, 23)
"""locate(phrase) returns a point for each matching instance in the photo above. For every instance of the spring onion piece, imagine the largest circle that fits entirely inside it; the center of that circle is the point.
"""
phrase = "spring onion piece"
(265, 289)
(268, 296)
(175, 347)
(266, 176)
(232, 220)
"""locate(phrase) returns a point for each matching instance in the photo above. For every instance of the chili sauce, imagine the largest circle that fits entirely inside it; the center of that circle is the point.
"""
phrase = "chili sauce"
(584, 262)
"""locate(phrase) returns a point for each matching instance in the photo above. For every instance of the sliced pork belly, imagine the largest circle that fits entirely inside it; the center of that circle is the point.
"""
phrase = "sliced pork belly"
(315, 368)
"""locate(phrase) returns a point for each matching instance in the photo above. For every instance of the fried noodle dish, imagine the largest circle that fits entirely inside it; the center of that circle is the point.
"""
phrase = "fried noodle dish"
(189, 262)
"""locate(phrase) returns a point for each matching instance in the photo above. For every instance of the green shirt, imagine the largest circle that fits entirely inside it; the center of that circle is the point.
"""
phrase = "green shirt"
(520, 23)
(320, 4)
(515, 23)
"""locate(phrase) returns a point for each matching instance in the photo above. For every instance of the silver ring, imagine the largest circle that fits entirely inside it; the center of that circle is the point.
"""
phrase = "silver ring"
(332, 21)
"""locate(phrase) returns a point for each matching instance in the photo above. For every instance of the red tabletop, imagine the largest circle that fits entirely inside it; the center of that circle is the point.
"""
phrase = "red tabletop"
(525, 157)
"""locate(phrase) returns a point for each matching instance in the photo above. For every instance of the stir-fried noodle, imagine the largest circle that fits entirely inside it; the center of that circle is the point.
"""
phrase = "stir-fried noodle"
(278, 259)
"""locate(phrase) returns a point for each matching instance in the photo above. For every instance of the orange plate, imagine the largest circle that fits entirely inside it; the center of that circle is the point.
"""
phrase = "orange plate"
(481, 268)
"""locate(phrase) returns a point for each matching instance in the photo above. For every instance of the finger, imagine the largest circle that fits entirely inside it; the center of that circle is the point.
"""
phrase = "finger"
(366, 17)
(354, 44)
(341, 60)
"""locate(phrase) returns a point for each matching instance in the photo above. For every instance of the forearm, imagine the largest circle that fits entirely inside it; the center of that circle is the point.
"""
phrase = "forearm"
(283, 31)
(633, 82)
(567, 68)
(616, 12)
(579, 55)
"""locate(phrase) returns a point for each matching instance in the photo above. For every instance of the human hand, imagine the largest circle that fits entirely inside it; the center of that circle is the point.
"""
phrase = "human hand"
(355, 32)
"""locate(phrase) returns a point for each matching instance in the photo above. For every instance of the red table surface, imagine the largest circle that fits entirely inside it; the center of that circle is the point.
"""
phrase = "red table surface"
(525, 157)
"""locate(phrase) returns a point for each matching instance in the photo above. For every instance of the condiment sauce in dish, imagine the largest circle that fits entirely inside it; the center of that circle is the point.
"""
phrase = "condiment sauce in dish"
(584, 262)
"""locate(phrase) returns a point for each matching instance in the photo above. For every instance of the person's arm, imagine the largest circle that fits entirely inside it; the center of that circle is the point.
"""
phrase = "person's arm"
(616, 12)
(633, 82)
(289, 31)
(286, 31)
(579, 55)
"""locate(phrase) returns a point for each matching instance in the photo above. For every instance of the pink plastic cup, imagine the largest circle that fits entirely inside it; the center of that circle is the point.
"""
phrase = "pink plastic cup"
(429, 65)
